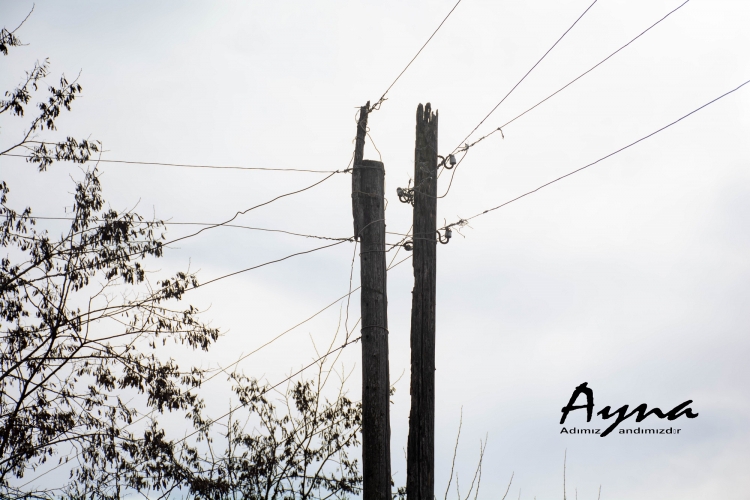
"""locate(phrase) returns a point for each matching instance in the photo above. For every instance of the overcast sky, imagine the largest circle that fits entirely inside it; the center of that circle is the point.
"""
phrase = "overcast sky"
(632, 275)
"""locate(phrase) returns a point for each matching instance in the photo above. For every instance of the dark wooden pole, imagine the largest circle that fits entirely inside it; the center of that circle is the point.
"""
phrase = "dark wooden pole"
(420, 465)
(368, 206)
(359, 154)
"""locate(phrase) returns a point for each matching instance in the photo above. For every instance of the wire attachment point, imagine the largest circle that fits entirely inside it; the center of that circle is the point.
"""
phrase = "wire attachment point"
(405, 195)
(444, 237)
(451, 162)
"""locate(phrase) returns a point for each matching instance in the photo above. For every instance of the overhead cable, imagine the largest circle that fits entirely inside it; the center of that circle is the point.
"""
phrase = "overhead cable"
(237, 226)
(466, 146)
(382, 99)
(218, 167)
(499, 129)
(242, 212)
(527, 74)
(462, 221)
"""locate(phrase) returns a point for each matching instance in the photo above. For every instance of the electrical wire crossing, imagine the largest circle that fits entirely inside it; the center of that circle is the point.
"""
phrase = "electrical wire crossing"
(524, 76)
(243, 212)
(269, 389)
(453, 165)
(462, 222)
(235, 226)
(224, 369)
(466, 146)
(213, 421)
(501, 127)
(212, 224)
(318, 360)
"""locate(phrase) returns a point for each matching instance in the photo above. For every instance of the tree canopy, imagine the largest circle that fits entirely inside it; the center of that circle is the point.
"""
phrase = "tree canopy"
(85, 374)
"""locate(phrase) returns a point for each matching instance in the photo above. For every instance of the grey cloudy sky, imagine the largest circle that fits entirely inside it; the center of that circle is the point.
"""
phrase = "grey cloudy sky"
(632, 275)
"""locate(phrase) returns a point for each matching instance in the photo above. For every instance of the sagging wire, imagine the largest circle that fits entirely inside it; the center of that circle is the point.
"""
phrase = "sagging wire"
(223, 370)
(215, 167)
(529, 71)
(500, 128)
(323, 357)
(466, 146)
(171, 223)
(373, 144)
(463, 222)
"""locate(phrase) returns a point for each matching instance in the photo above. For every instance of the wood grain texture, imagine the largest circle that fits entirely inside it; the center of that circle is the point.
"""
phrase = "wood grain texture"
(359, 153)
(376, 429)
(420, 469)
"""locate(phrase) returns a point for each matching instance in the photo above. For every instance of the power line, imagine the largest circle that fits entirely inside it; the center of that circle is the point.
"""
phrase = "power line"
(242, 212)
(268, 389)
(269, 263)
(347, 295)
(346, 320)
(277, 337)
(199, 285)
(380, 101)
(463, 221)
(501, 127)
(393, 245)
(223, 370)
(346, 343)
(237, 226)
(527, 74)
(466, 146)
(151, 298)
(242, 358)
(218, 167)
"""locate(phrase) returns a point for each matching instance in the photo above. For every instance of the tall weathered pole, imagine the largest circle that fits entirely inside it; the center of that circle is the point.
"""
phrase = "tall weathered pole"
(420, 465)
(359, 154)
(368, 179)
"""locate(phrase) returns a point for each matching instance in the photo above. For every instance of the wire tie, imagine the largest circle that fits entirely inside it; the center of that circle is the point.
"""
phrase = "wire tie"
(376, 326)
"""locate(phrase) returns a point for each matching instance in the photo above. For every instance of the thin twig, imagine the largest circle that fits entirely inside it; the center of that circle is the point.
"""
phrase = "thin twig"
(455, 451)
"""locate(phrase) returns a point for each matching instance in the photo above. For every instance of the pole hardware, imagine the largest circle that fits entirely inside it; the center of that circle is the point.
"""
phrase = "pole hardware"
(451, 161)
(406, 195)
(444, 239)
(420, 461)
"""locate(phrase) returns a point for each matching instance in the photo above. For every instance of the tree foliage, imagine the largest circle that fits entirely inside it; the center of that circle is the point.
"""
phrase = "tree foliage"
(85, 371)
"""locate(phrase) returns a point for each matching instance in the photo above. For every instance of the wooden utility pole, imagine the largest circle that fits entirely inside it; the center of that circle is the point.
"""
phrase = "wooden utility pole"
(359, 154)
(368, 179)
(420, 465)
